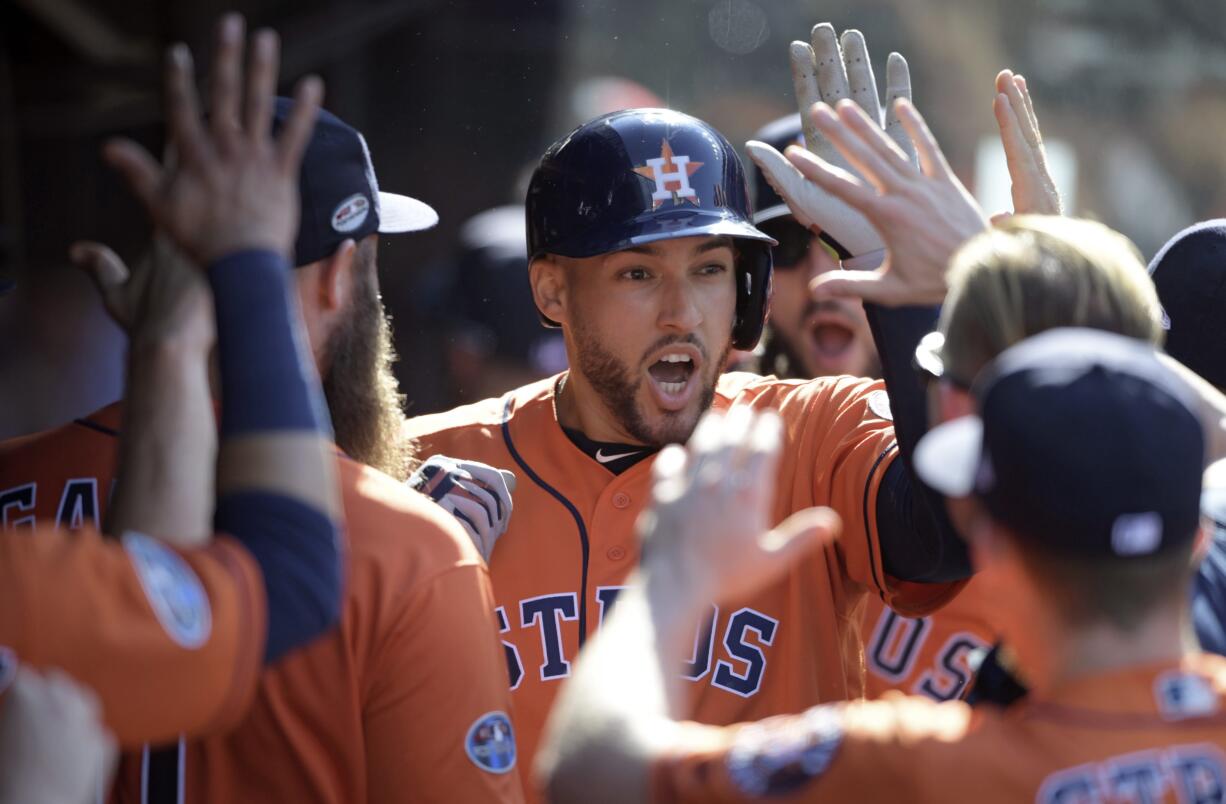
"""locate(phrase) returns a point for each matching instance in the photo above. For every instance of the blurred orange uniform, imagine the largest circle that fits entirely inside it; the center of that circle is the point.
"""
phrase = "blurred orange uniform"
(571, 543)
(407, 697)
(139, 623)
(934, 656)
(1153, 733)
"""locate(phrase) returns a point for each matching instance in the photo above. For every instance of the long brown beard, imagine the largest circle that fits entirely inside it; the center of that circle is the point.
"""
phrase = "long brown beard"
(361, 390)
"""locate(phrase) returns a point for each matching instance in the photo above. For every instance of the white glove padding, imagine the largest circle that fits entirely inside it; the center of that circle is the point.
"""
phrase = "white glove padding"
(476, 494)
(826, 72)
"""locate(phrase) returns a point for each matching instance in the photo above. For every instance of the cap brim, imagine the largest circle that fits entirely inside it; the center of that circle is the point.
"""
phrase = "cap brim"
(947, 458)
(399, 213)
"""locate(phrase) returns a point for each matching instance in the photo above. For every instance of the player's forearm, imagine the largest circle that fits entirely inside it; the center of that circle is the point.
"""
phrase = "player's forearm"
(613, 717)
(164, 482)
(274, 424)
(276, 483)
(918, 542)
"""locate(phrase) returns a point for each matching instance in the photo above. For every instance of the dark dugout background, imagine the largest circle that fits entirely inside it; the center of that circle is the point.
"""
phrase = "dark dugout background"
(456, 97)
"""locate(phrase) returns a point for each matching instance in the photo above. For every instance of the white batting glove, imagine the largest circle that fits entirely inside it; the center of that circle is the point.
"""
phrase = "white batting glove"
(825, 72)
(476, 494)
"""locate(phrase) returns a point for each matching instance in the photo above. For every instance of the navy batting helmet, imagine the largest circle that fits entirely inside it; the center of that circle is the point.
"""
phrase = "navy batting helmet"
(640, 175)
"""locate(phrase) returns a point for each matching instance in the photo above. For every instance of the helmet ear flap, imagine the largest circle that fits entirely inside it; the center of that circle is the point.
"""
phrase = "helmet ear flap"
(753, 292)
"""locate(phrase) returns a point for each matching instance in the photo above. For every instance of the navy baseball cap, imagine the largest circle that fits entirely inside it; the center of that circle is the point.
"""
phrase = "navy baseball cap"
(779, 134)
(340, 197)
(1190, 275)
(1084, 442)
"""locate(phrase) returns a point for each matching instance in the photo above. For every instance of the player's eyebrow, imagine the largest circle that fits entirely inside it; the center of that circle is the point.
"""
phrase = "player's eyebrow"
(708, 244)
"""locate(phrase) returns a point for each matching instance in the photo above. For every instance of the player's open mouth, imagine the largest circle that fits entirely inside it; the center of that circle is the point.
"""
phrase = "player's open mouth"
(831, 336)
(674, 375)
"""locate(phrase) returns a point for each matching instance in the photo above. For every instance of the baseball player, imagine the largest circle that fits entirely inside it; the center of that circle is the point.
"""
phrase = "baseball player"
(172, 641)
(642, 251)
(409, 692)
(1058, 506)
(1187, 272)
(937, 656)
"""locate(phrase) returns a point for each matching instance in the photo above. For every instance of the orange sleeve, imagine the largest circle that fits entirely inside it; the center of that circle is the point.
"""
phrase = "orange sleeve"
(171, 642)
(851, 752)
(846, 438)
(437, 716)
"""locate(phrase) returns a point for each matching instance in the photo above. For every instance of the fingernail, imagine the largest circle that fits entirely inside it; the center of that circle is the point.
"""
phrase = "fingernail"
(179, 54)
(231, 25)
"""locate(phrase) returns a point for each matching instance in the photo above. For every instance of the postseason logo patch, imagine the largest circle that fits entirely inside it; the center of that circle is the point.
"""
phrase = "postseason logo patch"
(173, 589)
(351, 213)
(781, 755)
(490, 743)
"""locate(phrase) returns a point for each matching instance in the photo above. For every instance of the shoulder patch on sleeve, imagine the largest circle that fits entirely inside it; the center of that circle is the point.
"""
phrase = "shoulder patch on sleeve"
(879, 403)
(490, 743)
(173, 589)
(781, 755)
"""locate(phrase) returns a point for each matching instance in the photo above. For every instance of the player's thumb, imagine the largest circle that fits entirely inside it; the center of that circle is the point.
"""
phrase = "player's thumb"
(101, 264)
(108, 273)
(801, 532)
(870, 286)
(787, 180)
(508, 477)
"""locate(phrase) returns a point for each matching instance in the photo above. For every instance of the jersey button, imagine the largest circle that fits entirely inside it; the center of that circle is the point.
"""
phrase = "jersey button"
(616, 553)
(621, 500)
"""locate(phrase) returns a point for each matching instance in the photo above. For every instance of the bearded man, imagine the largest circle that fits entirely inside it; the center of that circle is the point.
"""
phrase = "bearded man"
(409, 691)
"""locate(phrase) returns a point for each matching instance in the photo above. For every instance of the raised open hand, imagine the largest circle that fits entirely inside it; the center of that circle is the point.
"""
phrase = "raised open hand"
(922, 214)
(707, 533)
(828, 70)
(232, 187)
(1034, 189)
(163, 296)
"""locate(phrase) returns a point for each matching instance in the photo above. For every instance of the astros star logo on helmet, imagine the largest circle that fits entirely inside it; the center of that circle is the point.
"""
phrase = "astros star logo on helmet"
(672, 177)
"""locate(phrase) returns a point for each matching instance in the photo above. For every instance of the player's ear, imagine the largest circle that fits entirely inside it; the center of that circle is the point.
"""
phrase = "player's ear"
(336, 278)
(547, 275)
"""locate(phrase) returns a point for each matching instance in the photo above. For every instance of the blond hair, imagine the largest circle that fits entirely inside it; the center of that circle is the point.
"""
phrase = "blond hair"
(1032, 273)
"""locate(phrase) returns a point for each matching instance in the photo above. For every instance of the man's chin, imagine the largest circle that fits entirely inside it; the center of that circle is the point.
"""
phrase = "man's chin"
(667, 426)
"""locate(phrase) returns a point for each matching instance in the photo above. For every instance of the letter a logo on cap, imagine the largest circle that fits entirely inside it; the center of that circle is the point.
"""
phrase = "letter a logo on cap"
(671, 175)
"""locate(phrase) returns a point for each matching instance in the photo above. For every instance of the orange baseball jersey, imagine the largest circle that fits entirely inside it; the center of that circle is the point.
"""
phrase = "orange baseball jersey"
(933, 656)
(406, 697)
(170, 641)
(571, 543)
(1146, 734)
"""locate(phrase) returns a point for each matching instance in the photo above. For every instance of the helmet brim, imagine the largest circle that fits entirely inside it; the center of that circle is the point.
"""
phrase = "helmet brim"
(654, 228)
